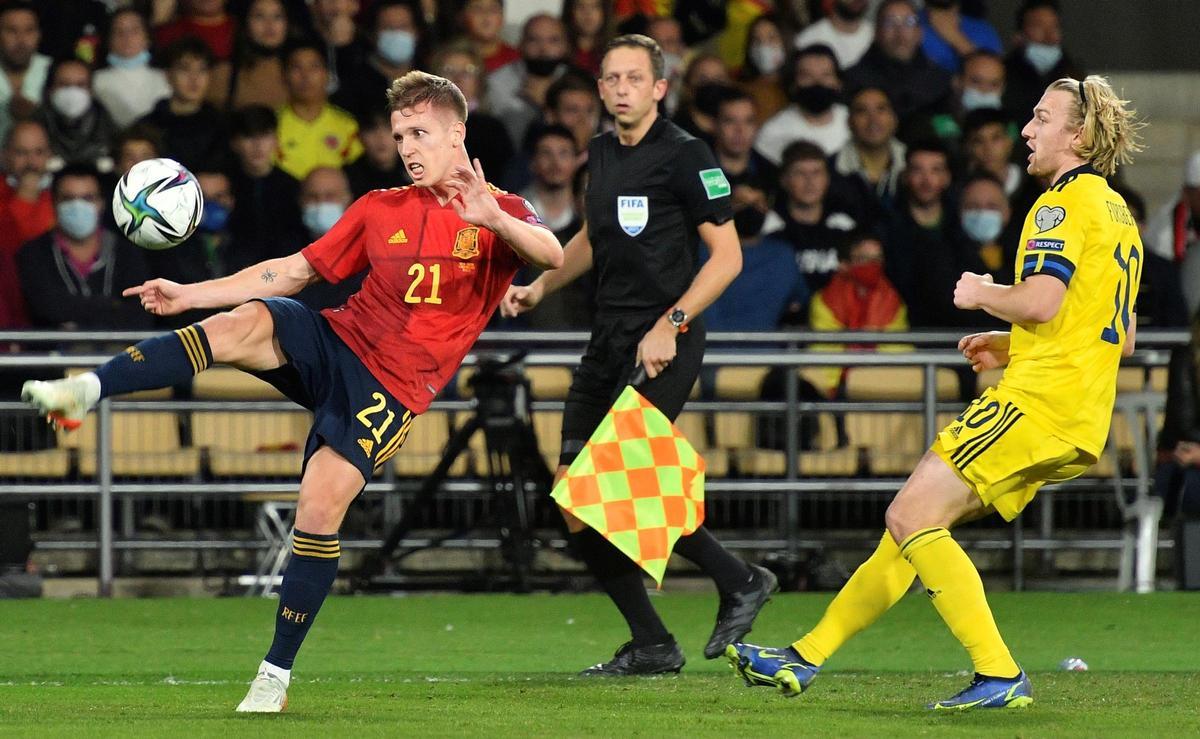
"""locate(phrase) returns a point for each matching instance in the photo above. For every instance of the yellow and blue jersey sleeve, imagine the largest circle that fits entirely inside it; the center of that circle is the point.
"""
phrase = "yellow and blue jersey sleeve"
(1054, 237)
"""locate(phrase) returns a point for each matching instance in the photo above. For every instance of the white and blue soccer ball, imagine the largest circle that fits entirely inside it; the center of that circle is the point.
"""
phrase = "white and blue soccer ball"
(157, 203)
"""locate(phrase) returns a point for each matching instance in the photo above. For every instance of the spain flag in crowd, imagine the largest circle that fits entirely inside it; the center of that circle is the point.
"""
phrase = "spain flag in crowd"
(638, 482)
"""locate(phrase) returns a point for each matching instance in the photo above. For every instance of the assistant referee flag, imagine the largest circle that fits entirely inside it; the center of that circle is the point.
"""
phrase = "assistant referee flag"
(638, 482)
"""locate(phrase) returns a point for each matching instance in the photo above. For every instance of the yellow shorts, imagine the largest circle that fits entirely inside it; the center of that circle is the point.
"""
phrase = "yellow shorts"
(1004, 455)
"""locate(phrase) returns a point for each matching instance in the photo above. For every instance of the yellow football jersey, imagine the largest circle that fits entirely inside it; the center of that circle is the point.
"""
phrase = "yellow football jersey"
(1063, 373)
(331, 140)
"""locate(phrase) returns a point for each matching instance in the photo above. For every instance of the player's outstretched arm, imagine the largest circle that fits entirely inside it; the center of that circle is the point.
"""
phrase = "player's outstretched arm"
(577, 260)
(1033, 300)
(272, 278)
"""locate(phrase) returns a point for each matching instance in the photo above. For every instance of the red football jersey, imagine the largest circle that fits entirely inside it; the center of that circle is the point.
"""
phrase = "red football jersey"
(434, 282)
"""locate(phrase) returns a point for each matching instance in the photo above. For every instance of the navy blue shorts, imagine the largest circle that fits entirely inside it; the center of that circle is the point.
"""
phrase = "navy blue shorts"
(353, 413)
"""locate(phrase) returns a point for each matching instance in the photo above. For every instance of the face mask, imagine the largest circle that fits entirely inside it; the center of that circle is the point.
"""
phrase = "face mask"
(868, 274)
(71, 102)
(397, 47)
(43, 182)
(78, 218)
(982, 225)
(815, 99)
(767, 57)
(541, 67)
(1042, 57)
(137, 61)
(748, 221)
(319, 217)
(671, 64)
(973, 99)
(214, 218)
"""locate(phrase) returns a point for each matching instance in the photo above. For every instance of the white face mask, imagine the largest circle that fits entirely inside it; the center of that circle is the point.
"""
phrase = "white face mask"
(72, 102)
(973, 99)
(1042, 57)
(767, 57)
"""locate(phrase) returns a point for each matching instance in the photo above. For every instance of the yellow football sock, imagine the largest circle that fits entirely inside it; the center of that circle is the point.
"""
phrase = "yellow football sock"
(874, 588)
(953, 585)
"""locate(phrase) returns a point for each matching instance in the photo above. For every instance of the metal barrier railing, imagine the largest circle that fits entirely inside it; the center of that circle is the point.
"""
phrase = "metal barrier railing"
(758, 350)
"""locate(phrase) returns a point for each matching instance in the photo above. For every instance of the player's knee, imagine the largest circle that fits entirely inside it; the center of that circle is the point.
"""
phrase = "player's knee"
(235, 335)
(319, 516)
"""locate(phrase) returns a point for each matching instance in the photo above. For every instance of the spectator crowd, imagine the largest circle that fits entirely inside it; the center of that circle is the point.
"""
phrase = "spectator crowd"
(872, 146)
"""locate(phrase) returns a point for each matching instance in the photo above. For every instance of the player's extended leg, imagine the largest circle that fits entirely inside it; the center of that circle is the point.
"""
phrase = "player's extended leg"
(243, 337)
(918, 518)
(876, 586)
(329, 485)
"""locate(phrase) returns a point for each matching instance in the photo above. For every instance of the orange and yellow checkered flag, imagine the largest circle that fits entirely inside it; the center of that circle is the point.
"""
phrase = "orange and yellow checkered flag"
(638, 482)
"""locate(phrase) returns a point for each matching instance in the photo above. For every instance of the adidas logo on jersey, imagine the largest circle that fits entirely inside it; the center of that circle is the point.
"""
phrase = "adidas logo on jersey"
(367, 445)
(398, 238)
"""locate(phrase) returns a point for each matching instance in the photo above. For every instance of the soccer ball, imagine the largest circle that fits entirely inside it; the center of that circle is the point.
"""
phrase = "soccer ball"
(157, 204)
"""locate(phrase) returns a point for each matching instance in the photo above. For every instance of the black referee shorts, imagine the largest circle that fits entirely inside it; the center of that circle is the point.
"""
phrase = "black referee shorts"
(605, 370)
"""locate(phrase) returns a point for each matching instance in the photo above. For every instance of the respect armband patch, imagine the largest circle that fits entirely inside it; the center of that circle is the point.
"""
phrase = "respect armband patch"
(715, 183)
(1044, 245)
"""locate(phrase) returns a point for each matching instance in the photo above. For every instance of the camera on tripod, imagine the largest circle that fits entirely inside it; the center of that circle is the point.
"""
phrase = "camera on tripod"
(500, 387)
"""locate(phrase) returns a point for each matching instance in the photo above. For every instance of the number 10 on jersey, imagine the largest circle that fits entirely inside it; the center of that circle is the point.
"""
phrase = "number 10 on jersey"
(1131, 268)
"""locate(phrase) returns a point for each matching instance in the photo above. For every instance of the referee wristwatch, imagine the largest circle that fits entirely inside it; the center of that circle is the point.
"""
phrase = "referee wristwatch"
(678, 318)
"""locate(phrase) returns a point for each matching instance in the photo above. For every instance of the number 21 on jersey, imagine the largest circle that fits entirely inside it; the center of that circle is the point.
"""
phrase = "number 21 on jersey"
(1131, 270)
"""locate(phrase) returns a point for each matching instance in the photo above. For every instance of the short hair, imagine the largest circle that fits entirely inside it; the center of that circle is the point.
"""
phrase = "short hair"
(252, 120)
(418, 87)
(887, 3)
(12, 130)
(372, 17)
(1108, 129)
(187, 46)
(982, 117)
(983, 176)
(817, 50)
(645, 43)
(58, 64)
(853, 238)
(138, 132)
(571, 81)
(871, 88)
(981, 54)
(926, 146)
(734, 95)
(550, 130)
(9, 6)
(801, 150)
(1029, 6)
(295, 47)
(76, 169)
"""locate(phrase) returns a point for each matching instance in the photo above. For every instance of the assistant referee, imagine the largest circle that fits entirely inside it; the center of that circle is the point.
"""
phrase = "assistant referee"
(655, 192)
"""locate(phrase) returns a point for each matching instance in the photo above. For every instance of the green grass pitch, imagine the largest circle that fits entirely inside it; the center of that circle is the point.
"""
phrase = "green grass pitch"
(496, 665)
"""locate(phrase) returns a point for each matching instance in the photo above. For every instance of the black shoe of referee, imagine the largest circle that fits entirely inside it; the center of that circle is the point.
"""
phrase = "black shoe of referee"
(737, 612)
(648, 659)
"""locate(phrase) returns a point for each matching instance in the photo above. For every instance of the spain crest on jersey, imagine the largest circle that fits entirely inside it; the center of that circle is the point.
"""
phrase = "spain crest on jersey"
(466, 243)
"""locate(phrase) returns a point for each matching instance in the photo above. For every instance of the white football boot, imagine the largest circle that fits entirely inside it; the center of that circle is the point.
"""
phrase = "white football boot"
(267, 694)
(65, 403)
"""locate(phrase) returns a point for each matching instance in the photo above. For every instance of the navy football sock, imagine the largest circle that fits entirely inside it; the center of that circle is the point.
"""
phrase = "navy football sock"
(162, 361)
(622, 579)
(306, 582)
(729, 573)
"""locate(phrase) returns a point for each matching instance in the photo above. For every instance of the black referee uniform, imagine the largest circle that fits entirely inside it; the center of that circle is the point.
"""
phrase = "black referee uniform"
(644, 203)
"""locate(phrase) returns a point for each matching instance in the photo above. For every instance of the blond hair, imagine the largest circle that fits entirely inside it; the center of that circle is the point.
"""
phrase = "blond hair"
(418, 87)
(1108, 129)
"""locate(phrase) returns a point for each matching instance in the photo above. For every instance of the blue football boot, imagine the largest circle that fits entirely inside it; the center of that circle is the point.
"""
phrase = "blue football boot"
(989, 692)
(782, 668)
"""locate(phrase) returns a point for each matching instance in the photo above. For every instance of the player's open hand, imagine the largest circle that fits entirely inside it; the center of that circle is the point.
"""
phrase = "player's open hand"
(160, 297)
(520, 299)
(968, 293)
(656, 350)
(473, 202)
(987, 350)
